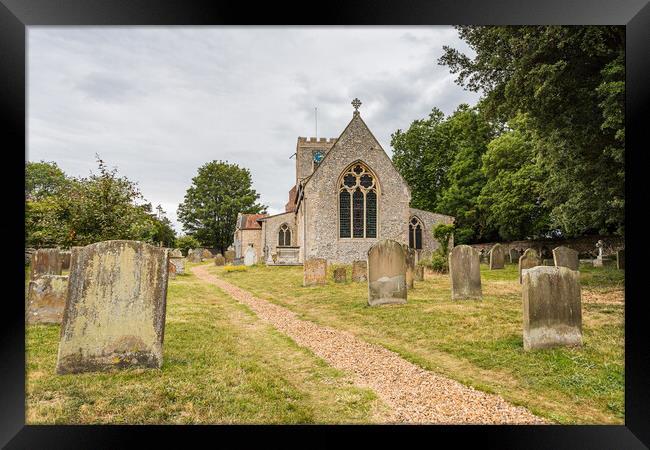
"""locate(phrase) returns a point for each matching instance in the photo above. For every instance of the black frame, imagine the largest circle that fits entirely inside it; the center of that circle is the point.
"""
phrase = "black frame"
(16, 15)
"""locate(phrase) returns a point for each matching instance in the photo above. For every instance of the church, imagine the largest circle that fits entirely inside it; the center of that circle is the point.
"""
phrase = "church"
(347, 196)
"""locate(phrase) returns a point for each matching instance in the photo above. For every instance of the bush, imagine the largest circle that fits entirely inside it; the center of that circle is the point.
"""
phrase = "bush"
(439, 263)
(234, 268)
(184, 243)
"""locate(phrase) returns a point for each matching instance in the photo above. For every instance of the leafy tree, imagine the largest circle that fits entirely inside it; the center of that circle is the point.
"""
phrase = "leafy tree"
(164, 232)
(184, 243)
(443, 233)
(209, 211)
(570, 82)
(43, 179)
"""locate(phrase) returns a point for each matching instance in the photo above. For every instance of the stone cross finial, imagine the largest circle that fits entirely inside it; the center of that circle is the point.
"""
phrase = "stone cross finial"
(356, 103)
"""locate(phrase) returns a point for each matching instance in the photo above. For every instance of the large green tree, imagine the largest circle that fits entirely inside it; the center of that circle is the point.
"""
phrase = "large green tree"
(569, 80)
(43, 179)
(218, 192)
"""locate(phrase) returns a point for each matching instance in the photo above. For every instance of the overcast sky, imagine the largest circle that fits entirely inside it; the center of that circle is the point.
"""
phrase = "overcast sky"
(159, 102)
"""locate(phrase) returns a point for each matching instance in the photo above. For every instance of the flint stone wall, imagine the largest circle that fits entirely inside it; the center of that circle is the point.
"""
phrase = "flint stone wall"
(115, 310)
(359, 271)
(46, 299)
(387, 273)
(565, 257)
(314, 272)
(465, 273)
(552, 307)
(584, 245)
(45, 261)
(497, 257)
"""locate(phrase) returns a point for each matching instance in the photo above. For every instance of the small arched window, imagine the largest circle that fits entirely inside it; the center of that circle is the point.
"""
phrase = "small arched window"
(358, 203)
(284, 236)
(415, 233)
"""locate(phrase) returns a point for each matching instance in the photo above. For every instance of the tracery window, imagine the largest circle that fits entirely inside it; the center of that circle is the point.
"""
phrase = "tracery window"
(415, 233)
(358, 203)
(284, 236)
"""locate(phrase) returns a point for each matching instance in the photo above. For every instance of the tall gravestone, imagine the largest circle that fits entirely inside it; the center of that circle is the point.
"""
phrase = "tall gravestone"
(465, 273)
(314, 272)
(552, 307)
(46, 299)
(387, 273)
(45, 261)
(250, 257)
(115, 311)
(565, 257)
(620, 259)
(409, 254)
(514, 255)
(497, 257)
(359, 271)
(529, 259)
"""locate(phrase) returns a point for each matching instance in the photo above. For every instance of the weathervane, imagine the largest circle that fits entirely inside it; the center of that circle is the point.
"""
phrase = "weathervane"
(356, 103)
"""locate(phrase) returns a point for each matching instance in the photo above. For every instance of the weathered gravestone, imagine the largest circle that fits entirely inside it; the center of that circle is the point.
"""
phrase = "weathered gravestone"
(620, 259)
(565, 257)
(65, 260)
(529, 259)
(194, 255)
(219, 260)
(250, 257)
(45, 261)
(497, 257)
(340, 275)
(514, 256)
(229, 256)
(115, 310)
(419, 273)
(176, 259)
(359, 271)
(46, 299)
(206, 254)
(409, 254)
(171, 269)
(314, 272)
(465, 273)
(386, 273)
(175, 253)
(552, 307)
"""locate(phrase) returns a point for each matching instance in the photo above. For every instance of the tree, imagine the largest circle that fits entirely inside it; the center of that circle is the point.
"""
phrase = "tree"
(164, 232)
(570, 82)
(218, 192)
(184, 243)
(43, 179)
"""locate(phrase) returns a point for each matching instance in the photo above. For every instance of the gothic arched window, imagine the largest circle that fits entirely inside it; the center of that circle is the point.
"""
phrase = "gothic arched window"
(284, 236)
(358, 203)
(415, 233)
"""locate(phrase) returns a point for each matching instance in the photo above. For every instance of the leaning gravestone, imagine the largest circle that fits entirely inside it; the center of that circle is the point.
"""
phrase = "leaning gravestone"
(219, 260)
(314, 272)
(620, 259)
(565, 257)
(115, 311)
(465, 273)
(340, 275)
(552, 307)
(410, 266)
(250, 256)
(65, 260)
(514, 256)
(497, 257)
(387, 273)
(419, 273)
(45, 261)
(529, 259)
(359, 271)
(46, 299)
(229, 256)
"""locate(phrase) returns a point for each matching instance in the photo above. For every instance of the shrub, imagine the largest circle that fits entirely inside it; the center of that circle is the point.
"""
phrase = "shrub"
(439, 263)
(234, 268)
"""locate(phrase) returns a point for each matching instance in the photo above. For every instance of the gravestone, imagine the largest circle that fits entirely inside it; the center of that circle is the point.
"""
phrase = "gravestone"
(65, 260)
(219, 260)
(497, 257)
(598, 262)
(620, 259)
(419, 273)
(529, 259)
(206, 254)
(359, 271)
(194, 255)
(249, 256)
(46, 299)
(465, 273)
(115, 310)
(410, 266)
(175, 253)
(340, 275)
(387, 273)
(514, 255)
(552, 307)
(45, 261)
(565, 257)
(314, 272)
(547, 262)
(178, 264)
(229, 256)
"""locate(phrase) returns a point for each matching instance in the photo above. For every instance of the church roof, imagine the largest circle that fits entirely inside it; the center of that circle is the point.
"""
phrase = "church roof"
(249, 221)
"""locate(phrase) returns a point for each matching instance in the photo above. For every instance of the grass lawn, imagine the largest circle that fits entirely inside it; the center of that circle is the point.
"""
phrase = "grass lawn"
(221, 365)
(477, 342)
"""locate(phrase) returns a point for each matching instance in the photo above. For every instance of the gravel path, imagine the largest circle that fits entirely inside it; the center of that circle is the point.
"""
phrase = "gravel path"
(414, 395)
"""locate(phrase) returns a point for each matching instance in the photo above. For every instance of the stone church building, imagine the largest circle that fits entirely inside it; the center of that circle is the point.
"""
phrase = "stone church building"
(347, 195)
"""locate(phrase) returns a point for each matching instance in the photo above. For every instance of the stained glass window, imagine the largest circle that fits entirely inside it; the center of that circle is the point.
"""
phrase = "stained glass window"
(371, 214)
(358, 203)
(284, 236)
(415, 233)
(357, 213)
(344, 214)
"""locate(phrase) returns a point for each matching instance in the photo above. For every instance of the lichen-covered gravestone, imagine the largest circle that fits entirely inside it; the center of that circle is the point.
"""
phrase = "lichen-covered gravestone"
(219, 260)
(340, 275)
(314, 272)
(419, 273)
(552, 307)
(46, 261)
(359, 271)
(620, 259)
(565, 257)
(115, 311)
(195, 255)
(65, 260)
(206, 254)
(386, 273)
(250, 257)
(497, 257)
(514, 256)
(529, 259)
(465, 273)
(409, 254)
(177, 261)
(229, 256)
(46, 299)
